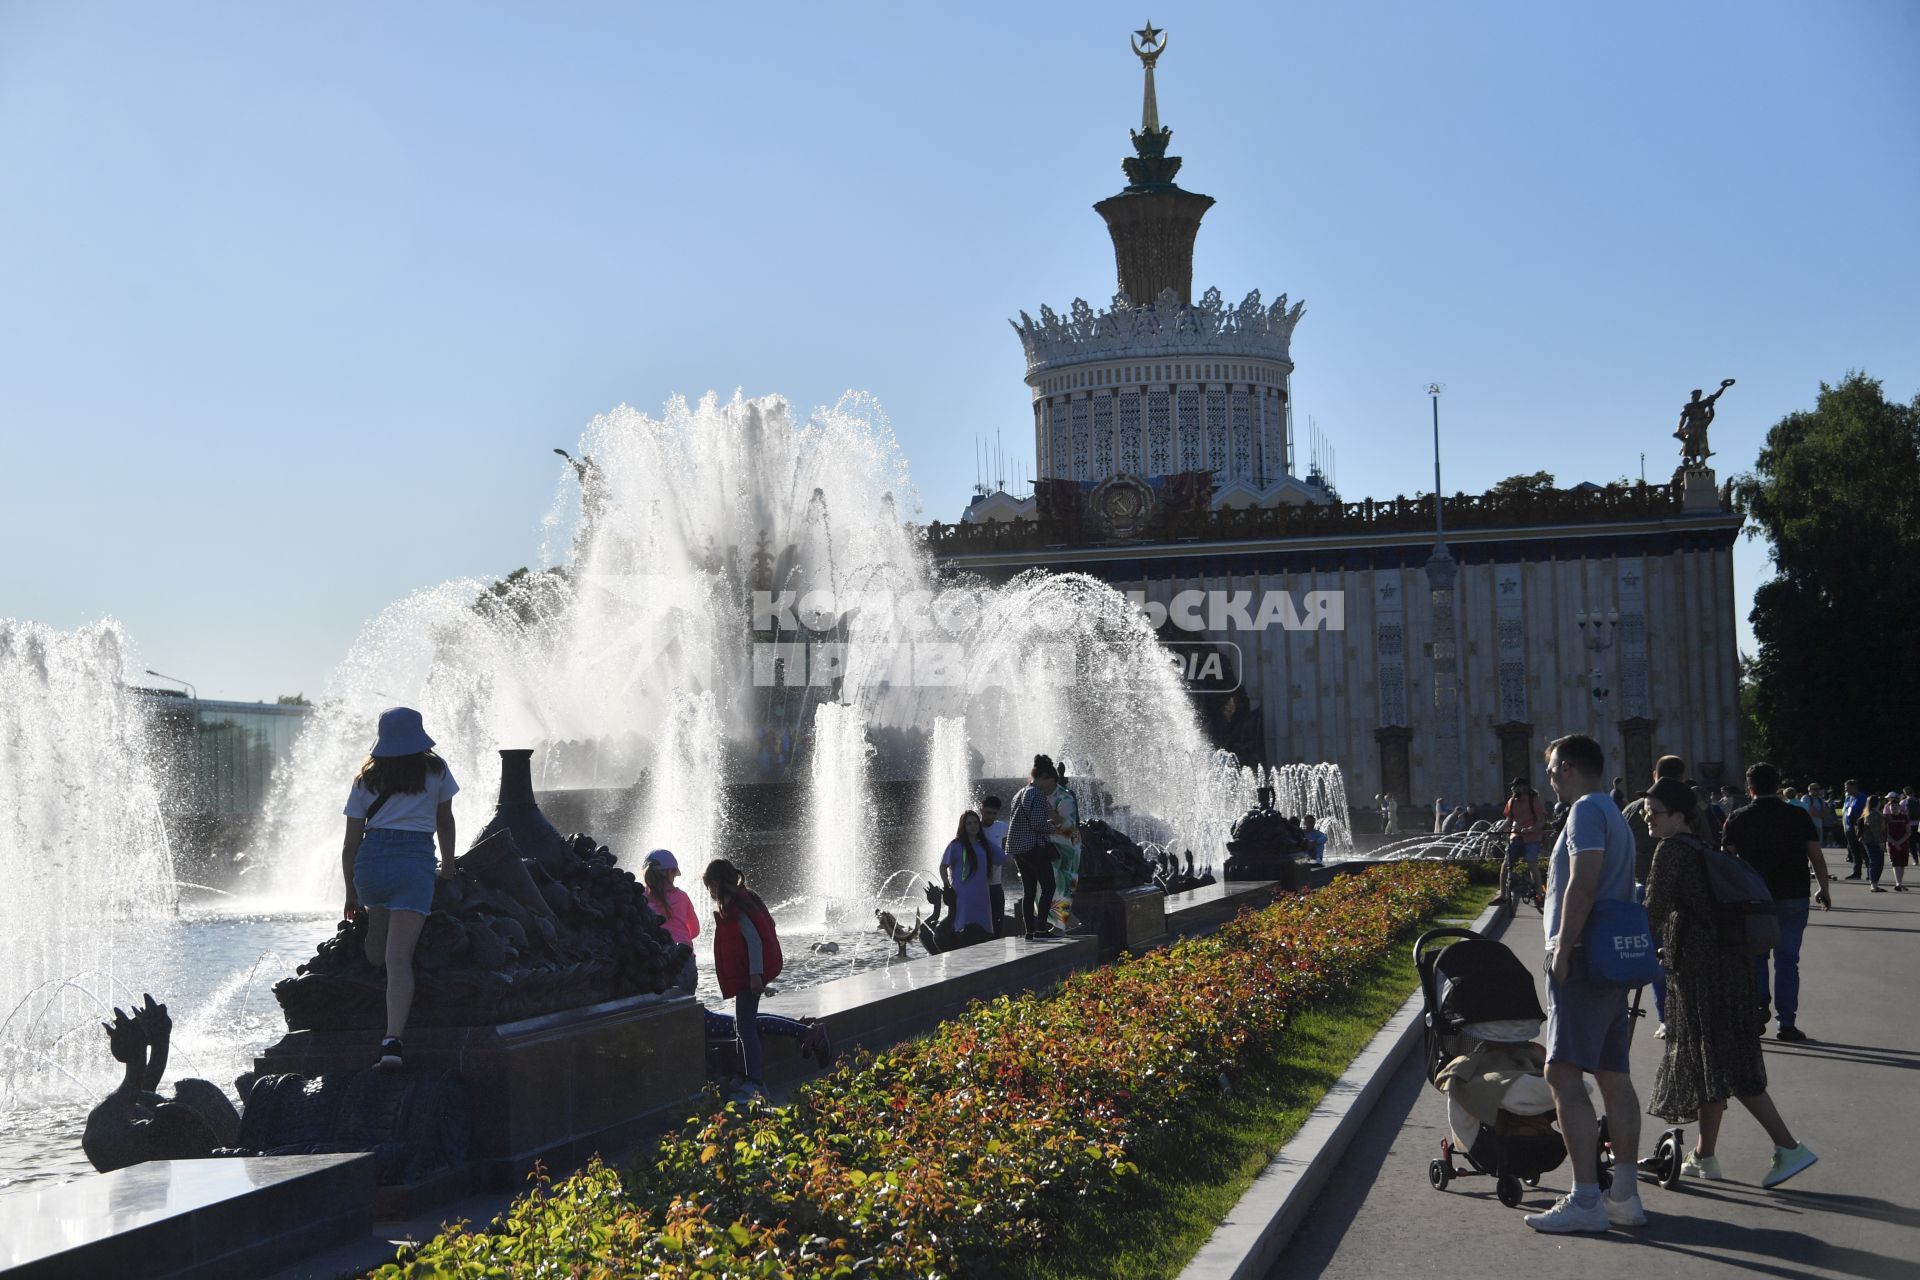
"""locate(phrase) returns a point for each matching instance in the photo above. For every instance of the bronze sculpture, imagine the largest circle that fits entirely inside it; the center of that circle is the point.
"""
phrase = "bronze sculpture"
(1696, 415)
(135, 1123)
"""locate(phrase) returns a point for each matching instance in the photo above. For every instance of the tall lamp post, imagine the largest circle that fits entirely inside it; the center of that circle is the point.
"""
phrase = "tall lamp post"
(193, 729)
(192, 692)
(1442, 572)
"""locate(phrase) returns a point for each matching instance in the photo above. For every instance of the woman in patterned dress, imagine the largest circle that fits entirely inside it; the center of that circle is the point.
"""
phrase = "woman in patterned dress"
(1713, 1040)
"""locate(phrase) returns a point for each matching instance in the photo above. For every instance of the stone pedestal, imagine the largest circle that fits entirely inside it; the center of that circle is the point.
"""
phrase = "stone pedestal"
(1125, 919)
(1700, 491)
(557, 1087)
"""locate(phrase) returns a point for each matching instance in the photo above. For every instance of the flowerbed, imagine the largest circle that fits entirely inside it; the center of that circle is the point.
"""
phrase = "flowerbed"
(938, 1156)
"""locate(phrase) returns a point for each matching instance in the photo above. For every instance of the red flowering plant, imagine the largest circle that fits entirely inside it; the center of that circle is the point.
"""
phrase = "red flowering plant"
(938, 1156)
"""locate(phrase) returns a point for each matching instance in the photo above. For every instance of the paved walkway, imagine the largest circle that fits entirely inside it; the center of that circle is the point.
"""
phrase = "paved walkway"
(1853, 1095)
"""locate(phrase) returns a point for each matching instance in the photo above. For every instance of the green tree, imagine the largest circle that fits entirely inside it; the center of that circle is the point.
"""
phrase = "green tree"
(1834, 493)
(292, 700)
(1538, 482)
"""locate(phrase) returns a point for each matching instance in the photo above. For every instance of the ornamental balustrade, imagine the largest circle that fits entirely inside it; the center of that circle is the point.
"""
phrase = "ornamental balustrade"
(1464, 512)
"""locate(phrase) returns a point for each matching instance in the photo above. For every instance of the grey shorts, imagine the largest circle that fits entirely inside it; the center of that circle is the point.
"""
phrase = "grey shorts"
(1587, 1024)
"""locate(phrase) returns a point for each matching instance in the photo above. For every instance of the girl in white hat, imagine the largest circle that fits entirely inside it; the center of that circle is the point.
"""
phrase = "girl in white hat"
(401, 800)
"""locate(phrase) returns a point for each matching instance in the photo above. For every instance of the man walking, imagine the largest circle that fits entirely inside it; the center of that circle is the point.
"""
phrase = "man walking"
(1780, 842)
(1588, 1030)
(1853, 824)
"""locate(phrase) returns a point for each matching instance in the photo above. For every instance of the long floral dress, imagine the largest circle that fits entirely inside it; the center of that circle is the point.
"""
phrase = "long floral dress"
(1899, 829)
(1713, 1025)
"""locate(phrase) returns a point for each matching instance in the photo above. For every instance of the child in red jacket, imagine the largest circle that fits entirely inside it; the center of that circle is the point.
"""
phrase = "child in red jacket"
(746, 956)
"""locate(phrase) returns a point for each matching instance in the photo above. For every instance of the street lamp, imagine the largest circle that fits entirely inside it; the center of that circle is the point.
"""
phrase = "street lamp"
(1439, 524)
(1597, 631)
(191, 691)
(190, 792)
(1442, 571)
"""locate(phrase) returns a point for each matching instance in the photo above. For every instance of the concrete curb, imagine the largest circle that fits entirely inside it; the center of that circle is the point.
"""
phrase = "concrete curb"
(1248, 1244)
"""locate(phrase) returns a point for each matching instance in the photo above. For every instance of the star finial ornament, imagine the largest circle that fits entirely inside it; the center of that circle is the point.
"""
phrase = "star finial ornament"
(1149, 35)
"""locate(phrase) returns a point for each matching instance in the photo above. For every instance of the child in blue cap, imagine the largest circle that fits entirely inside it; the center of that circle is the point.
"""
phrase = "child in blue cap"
(401, 800)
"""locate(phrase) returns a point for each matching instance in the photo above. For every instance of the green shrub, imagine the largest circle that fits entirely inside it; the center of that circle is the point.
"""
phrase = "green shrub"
(936, 1157)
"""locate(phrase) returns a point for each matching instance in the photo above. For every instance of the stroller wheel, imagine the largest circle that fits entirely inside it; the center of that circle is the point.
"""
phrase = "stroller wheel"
(1439, 1174)
(1508, 1189)
(1670, 1157)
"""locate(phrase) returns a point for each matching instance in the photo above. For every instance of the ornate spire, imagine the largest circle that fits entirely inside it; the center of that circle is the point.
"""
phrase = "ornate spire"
(1151, 168)
(1148, 41)
(1153, 222)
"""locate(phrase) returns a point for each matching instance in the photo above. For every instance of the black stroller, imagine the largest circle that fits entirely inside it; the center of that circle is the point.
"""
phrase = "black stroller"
(1481, 1000)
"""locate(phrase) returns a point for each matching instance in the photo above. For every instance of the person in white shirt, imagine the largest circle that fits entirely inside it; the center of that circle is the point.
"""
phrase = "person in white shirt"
(401, 801)
(994, 827)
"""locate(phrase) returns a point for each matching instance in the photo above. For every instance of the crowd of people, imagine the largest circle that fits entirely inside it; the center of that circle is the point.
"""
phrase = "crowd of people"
(1041, 836)
(400, 807)
(1716, 999)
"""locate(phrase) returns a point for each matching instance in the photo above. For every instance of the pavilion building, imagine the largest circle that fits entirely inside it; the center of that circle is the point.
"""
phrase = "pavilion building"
(1164, 454)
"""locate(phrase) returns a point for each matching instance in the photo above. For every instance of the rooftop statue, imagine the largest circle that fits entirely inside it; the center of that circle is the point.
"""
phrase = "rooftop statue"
(1696, 415)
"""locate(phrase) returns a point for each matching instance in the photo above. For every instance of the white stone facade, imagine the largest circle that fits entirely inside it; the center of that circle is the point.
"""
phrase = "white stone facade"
(1524, 664)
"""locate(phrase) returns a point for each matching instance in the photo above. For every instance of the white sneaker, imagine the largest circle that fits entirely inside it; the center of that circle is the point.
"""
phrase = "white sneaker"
(1625, 1213)
(1787, 1161)
(1660, 1032)
(1699, 1166)
(1566, 1217)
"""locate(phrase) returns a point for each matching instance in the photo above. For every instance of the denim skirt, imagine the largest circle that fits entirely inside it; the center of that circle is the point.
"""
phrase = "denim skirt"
(394, 869)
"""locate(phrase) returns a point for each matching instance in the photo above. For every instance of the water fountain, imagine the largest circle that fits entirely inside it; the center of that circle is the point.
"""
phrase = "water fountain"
(949, 784)
(840, 813)
(653, 682)
(83, 849)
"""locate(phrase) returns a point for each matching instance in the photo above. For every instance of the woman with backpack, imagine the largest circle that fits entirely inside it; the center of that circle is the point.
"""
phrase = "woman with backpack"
(1713, 1040)
(401, 801)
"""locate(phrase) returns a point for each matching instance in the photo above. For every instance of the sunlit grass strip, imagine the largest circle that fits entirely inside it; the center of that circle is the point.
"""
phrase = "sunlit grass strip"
(1192, 1177)
(959, 1153)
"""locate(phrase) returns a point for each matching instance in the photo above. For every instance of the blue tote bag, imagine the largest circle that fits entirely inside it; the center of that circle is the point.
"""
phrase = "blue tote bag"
(1618, 941)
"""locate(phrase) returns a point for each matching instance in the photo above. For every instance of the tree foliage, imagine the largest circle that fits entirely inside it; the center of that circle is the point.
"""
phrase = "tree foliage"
(1836, 492)
(1538, 482)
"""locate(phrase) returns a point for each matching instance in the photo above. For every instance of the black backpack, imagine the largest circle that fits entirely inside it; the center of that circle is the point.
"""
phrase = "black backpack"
(1744, 918)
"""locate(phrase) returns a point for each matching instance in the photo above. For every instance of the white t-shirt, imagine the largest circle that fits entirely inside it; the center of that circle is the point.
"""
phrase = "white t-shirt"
(405, 812)
(997, 833)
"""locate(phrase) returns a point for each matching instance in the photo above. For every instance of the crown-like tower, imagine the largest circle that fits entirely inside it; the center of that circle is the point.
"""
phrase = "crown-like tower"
(1159, 384)
(1153, 222)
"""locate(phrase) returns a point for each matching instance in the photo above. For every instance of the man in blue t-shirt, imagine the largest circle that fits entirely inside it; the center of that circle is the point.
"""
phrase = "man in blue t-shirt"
(1588, 1030)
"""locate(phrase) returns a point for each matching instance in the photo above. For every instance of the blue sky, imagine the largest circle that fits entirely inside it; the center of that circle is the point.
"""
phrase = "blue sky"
(296, 298)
